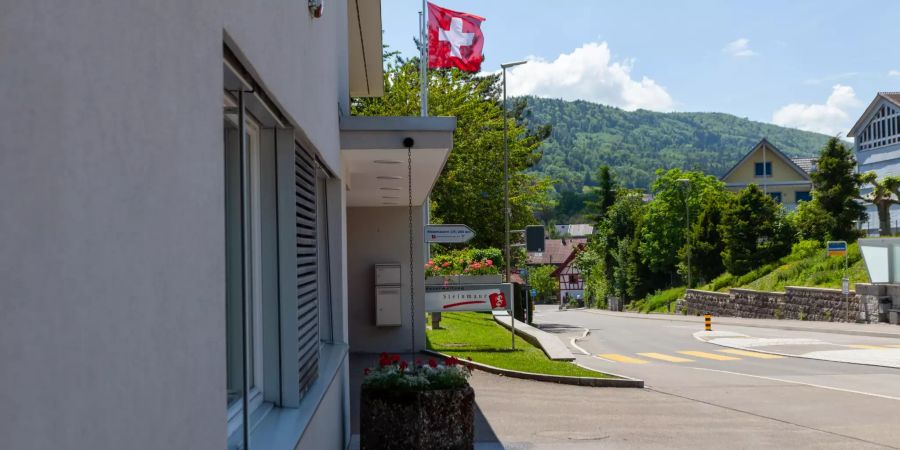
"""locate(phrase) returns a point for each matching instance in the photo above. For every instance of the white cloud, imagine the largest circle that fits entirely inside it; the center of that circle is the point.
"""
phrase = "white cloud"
(739, 47)
(894, 73)
(830, 118)
(588, 73)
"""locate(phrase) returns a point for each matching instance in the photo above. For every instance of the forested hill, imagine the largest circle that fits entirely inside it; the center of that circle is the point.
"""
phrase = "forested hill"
(635, 144)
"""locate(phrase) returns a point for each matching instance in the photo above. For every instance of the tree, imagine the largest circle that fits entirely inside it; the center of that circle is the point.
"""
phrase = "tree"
(470, 189)
(706, 241)
(540, 279)
(663, 227)
(754, 231)
(811, 220)
(604, 195)
(837, 187)
(884, 194)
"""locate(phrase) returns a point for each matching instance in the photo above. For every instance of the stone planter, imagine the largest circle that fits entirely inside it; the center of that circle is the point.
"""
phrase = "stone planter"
(440, 419)
(462, 279)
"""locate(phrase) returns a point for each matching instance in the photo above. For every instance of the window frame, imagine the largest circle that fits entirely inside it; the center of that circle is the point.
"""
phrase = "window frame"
(252, 253)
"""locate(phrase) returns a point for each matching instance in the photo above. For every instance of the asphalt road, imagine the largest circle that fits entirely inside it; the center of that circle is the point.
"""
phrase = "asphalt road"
(836, 404)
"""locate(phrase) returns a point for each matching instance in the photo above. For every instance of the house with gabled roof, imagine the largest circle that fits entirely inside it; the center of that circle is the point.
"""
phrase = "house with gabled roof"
(785, 179)
(877, 143)
(571, 283)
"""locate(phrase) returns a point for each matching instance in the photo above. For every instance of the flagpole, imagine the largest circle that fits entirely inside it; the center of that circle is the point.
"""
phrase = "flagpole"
(423, 58)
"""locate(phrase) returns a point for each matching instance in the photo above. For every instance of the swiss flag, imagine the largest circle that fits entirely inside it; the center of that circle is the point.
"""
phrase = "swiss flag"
(454, 39)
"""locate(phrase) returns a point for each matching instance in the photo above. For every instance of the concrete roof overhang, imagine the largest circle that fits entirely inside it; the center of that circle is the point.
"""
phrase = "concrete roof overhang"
(376, 160)
(365, 49)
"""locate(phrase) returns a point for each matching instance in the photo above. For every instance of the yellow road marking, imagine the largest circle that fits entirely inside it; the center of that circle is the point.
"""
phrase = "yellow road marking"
(735, 351)
(622, 358)
(863, 346)
(893, 345)
(708, 355)
(664, 357)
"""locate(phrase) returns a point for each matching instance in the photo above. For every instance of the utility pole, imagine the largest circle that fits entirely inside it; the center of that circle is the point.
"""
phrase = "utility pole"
(686, 183)
(506, 210)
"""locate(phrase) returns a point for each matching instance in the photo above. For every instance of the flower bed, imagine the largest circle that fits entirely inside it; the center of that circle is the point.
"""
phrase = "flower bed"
(417, 405)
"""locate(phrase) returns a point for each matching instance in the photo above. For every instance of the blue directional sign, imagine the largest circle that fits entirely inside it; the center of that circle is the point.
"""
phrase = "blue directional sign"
(534, 292)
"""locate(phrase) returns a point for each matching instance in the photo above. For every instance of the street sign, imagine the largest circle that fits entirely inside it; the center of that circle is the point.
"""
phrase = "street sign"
(533, 293)
(468, 297)
(448, 234)
(836, 248)
(845, 286)
(523, 273)
(534, 238)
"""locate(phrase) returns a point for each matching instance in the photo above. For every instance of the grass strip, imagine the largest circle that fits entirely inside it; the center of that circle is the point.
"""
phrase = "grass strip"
(477, 336)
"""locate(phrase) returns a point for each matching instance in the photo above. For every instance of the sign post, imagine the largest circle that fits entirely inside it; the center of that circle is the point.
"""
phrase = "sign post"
(448, 234)
(839, 248)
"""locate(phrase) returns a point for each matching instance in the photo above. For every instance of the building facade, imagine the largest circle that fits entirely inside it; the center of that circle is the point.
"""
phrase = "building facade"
(876, 138)
(191, 221)
(786, 180)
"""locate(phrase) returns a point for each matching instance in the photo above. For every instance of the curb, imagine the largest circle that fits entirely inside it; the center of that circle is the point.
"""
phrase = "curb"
(789, 355)
(534, 340)
(624, 382)
(676, 318)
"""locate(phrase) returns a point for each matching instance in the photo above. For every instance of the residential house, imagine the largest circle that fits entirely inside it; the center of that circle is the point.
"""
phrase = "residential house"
(191, 219)
(574, 230)
(555, 251)
(876, 138)
(785, 179)
(571, 283)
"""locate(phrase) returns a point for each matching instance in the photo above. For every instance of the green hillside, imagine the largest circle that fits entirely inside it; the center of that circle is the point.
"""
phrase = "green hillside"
(587, 135)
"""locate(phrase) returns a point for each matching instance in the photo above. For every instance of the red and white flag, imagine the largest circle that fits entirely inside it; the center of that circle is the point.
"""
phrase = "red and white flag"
(454, 39)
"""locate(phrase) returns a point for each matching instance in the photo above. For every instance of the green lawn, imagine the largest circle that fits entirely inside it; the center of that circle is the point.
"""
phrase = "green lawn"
(476, 335)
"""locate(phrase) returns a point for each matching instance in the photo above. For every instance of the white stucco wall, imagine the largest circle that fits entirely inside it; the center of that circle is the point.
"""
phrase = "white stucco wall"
(380, 235)
(111, 234)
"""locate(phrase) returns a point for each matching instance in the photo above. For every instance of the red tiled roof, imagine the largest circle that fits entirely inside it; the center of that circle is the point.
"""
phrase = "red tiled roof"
(555, 252)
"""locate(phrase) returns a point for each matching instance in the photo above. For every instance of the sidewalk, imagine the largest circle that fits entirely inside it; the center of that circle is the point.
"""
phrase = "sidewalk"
(870, 355)
(856, 329)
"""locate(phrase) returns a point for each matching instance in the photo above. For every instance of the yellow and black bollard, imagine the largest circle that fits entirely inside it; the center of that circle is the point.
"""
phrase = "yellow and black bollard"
(707, 321)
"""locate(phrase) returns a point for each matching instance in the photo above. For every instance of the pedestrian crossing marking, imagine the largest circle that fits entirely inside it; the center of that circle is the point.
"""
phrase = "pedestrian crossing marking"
(863, 346)
(735, 351)
(708, 355)
(622, 358)
(669, 358)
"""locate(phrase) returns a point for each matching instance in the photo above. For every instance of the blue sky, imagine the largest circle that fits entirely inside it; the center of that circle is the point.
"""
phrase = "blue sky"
(813, 65)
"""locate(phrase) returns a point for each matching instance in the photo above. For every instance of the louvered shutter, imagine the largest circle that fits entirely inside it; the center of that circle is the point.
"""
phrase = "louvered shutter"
(307, 284)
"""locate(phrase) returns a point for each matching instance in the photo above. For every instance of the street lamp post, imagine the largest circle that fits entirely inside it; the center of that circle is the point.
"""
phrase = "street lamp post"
(506, 209)
(686, 183)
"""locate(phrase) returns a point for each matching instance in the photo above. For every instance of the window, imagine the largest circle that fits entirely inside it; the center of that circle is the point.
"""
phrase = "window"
(803, 196)
(573, 278)
(761, 166)
(243, 262)
(775, 196)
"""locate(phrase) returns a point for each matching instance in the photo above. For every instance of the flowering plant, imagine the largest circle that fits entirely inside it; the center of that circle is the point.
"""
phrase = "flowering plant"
(396, 374)
(484, 267)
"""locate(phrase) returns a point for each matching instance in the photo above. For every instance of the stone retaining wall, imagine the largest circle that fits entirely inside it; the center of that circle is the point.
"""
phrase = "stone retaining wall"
(796, 303)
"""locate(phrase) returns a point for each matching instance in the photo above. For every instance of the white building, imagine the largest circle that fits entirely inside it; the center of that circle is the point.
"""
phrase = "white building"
(877, 144)
(190, 221)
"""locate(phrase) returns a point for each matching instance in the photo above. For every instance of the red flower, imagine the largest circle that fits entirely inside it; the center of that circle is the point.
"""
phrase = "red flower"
(418, 362)
(395, 358)
(366, 371)
(489, 262)
(452, 361)
(384, 361)
(432, 363)
(403, 365)
(446, 264)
